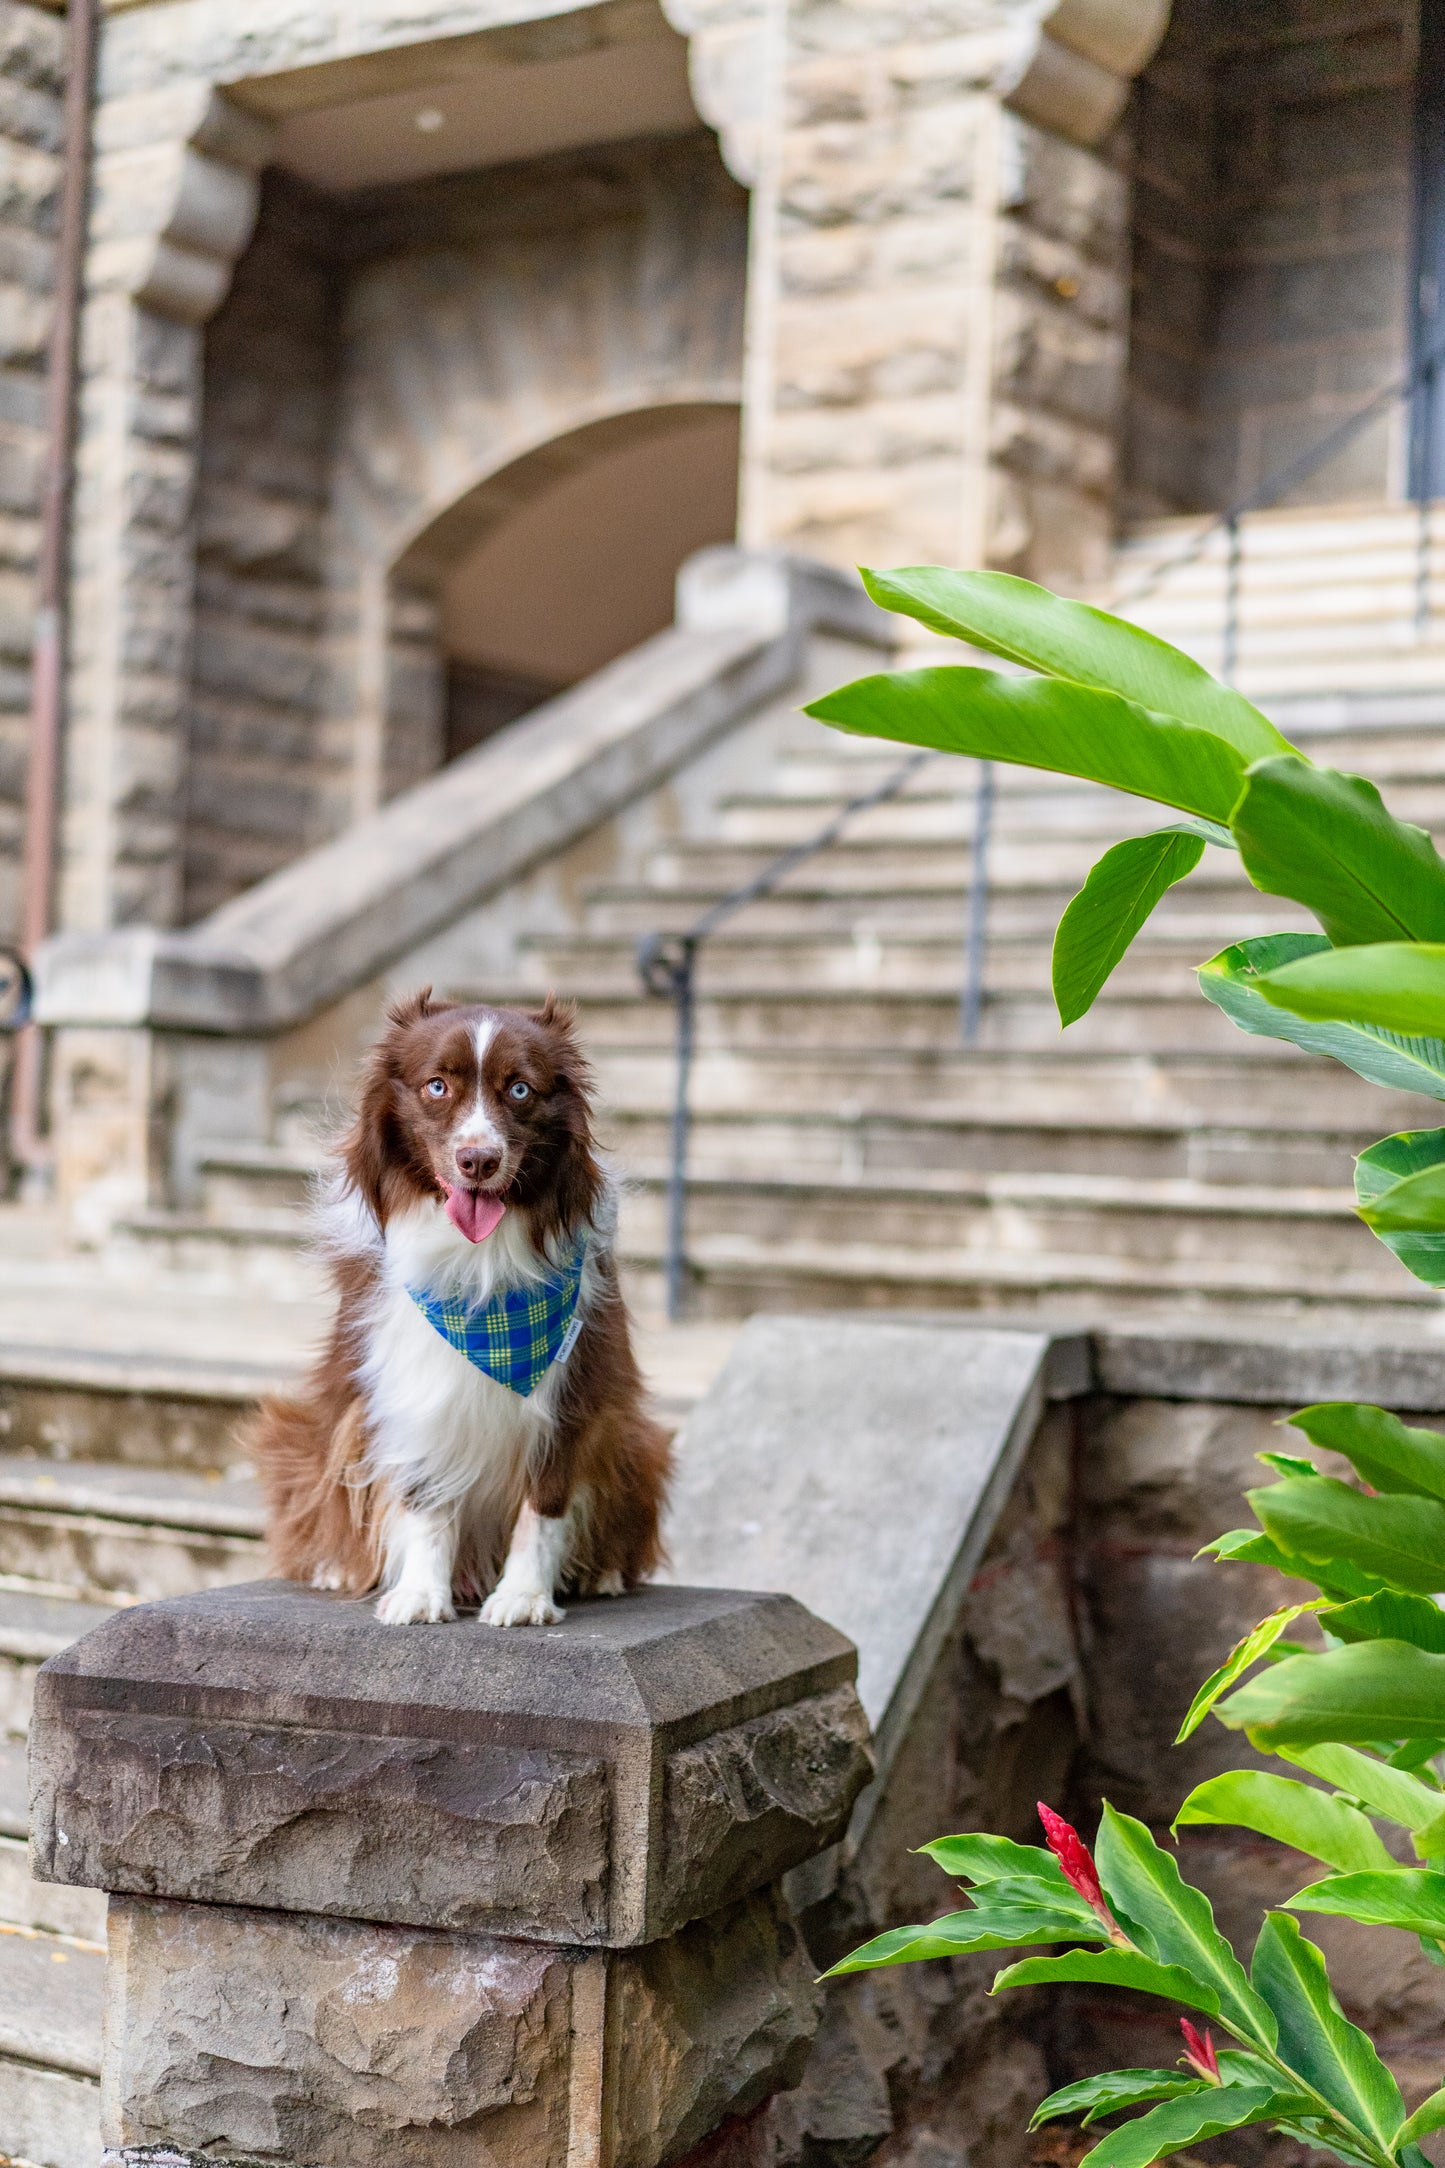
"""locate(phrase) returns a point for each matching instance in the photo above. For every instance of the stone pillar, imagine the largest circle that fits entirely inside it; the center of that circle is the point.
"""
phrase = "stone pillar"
(174, 201)
(443, 1895)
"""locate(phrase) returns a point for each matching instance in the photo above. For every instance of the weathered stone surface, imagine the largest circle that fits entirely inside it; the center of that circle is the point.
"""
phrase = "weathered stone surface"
(270, 1746)
(238, 2033)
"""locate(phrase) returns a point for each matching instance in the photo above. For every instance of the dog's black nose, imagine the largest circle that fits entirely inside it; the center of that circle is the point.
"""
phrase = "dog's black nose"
(476, 1165)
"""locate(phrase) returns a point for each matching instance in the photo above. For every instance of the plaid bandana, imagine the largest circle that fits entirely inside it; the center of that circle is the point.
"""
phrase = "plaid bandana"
(519, 1334)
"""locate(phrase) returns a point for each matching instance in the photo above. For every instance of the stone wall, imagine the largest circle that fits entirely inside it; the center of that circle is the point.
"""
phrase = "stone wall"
(1271, 249)
(379, 357)
(32, 54)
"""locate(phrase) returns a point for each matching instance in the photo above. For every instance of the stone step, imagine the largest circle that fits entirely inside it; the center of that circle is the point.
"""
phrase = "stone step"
(1138, 1221)
(51, 1994)
(32, 1627)
(744, 1019)
(858, 961)
(732, 1276)
(90, 1404)
(110, 1534)
(738, 1147)
(856, 866)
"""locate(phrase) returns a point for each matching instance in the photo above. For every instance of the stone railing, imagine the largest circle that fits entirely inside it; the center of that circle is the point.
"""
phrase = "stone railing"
(385, 1895)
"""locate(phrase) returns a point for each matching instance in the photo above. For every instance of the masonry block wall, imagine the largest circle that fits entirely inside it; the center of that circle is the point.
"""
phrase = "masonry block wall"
(32, 60)
(1271, 237)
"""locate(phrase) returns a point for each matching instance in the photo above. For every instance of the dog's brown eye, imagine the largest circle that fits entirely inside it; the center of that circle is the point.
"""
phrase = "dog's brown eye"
(435, 1088)
(519, 1090)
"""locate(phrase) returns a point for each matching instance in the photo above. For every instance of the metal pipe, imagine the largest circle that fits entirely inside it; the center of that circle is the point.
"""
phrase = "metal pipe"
(685, 999)
(971, 1009)
(1230, 660)
(42, 781)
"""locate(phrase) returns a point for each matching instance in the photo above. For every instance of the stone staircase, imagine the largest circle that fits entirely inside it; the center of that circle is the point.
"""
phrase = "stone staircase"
(847, 1151)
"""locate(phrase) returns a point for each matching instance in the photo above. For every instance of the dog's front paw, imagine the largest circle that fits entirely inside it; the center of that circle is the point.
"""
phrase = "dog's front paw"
(414, 1606)
(520, 1607)
(610, 1583)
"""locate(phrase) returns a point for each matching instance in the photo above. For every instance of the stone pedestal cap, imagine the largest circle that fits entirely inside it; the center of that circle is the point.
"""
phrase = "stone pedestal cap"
(600, 1782)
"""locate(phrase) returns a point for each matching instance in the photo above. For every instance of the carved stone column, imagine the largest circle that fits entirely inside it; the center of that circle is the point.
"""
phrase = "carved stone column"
(445, 1894)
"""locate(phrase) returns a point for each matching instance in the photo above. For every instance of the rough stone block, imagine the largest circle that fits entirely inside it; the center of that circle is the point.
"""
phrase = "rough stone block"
(236, 2033)
(599, 1783)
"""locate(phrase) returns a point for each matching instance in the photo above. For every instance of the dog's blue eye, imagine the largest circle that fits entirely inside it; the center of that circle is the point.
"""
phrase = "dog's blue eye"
(519, 1090)
(435, 1088)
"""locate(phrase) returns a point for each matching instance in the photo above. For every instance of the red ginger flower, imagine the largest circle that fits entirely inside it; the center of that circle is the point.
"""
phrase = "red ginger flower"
(1072, 1854)
(1199, 2054)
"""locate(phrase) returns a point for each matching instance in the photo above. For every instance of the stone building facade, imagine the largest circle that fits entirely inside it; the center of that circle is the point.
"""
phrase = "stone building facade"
(367, 294)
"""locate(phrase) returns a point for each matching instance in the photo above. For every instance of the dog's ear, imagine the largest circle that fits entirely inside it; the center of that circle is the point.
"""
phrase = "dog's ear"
(372, 1146)
(413, 1009)
(555, 1015)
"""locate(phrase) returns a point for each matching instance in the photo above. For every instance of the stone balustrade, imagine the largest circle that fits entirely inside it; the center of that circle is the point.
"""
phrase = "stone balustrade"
(435, 1895)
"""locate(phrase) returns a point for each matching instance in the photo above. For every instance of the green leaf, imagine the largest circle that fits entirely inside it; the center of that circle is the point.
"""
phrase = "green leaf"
(1114, 902)
(1388, 1454)
(1288, 1463)
(1316, 2039)
(1339, 1581)
(1401, 1198)
(1375, 1690)
(1244, 1653)
(1111, 1968)
(1400, 1540)
(1027, 624)
(1397, 985)
(1232, 980)
(958, 1934)
(1044, 723)
(1147, 1886)
(1328, 841)
(1408, 1897)
(1392, 1793)
(1390, 1616)
(1430, 2115)
(1182, 2122)
(1110, 2091)
(1312, 1821)
(977, 1857)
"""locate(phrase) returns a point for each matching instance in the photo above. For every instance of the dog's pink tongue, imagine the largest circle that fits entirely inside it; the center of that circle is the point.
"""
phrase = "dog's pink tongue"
(474, 1212)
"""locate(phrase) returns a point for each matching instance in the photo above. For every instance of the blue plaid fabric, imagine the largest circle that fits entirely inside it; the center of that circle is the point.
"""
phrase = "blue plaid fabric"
(518, 1335)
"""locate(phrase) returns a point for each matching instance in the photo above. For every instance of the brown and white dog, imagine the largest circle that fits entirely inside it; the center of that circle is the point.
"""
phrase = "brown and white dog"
(469, 1173)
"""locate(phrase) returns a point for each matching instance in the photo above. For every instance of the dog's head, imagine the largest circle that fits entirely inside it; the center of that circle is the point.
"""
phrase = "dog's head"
(488, 1109)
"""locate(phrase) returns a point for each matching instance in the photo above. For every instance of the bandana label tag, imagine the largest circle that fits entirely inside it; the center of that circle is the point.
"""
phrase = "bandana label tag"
(569, 1340)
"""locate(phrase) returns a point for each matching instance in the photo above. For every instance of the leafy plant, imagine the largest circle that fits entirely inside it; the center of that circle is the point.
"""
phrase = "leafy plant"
(1363, 1715)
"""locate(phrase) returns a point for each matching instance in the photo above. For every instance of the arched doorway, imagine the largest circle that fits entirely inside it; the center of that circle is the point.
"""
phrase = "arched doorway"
(583, 571)
(546, 569)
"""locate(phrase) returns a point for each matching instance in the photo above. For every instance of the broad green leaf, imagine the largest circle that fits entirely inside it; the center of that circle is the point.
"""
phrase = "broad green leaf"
(1114, 902)
(1408, 1897)
(1244, 1653)
(1328, 841)
(1393, 1793)
(957, 1934)
(1400, 1195)
(1110, 1968)
(1147, 1886)
(1312, 1821)
(1231, 980)
(1430, 2115)
(1288, 1463)
(1338, 1580)
(1044, 723)
(1178, 2123)
(1390, 1616)
(1027, 624)
(1387, 1453)
(1396, 985)
(1316, 2039)
(1110, 2091)
(1372, 1691)
(1399, 1539)
(977, 1857)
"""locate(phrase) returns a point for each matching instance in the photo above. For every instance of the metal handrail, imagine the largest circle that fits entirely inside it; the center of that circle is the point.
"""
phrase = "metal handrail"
(667, 963)
(17, 990)
(667, 967)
